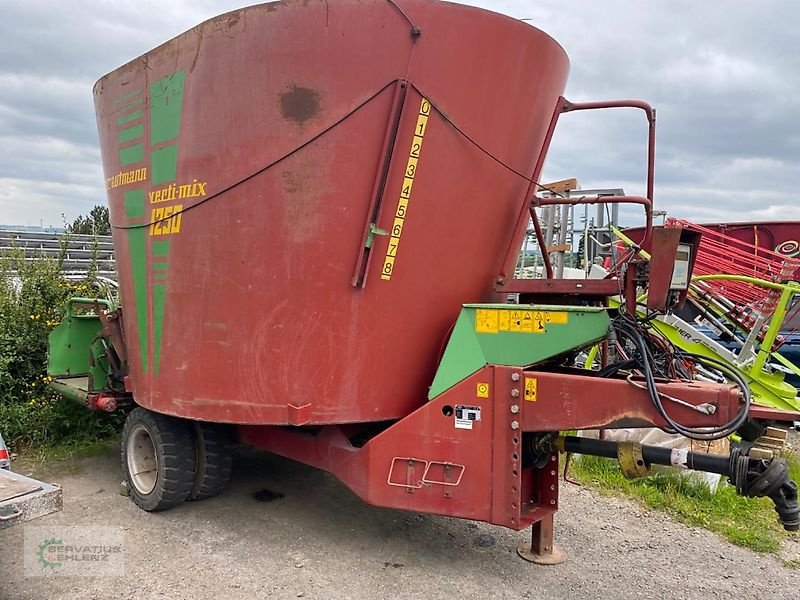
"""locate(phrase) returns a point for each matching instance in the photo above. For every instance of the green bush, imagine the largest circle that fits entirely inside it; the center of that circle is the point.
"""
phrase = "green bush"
(32, 301)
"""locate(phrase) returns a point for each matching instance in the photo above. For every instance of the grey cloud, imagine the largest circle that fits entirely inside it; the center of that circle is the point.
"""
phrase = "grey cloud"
(724, 85)
(723, 79)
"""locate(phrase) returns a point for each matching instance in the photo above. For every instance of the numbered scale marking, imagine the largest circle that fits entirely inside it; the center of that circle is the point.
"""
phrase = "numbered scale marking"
(405, 192)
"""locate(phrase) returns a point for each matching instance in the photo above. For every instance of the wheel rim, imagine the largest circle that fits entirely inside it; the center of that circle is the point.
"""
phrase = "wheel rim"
(142, 460)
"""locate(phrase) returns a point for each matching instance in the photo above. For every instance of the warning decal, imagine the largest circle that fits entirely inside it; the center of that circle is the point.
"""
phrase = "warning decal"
(495, 320)
(530, 389)
(465, 416)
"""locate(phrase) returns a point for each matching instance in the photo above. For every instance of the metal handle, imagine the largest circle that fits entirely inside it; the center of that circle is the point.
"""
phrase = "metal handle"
(17, 512)
(649, 112)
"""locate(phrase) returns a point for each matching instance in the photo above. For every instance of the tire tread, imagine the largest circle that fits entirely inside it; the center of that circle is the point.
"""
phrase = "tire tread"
(172, 438)
(214, 460)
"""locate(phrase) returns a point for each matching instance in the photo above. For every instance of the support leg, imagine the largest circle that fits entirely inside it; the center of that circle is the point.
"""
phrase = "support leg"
(541, 550)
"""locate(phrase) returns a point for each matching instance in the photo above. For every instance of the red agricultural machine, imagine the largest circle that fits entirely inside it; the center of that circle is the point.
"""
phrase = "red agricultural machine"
(316, 210)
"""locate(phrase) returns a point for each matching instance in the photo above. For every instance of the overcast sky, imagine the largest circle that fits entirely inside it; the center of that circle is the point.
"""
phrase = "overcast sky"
(724, 78)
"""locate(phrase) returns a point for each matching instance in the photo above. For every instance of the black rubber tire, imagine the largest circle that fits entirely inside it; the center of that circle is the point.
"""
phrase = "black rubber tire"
(175, 460)
(214, 454)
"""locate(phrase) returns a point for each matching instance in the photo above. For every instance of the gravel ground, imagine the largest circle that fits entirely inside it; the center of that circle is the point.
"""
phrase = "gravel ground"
(319, 541)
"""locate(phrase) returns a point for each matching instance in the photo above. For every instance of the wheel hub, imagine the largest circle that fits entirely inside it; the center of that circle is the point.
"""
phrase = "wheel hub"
(142, 460)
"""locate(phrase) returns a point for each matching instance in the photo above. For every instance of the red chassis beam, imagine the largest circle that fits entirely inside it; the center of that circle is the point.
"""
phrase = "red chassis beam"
(460, 455)
(576, 401)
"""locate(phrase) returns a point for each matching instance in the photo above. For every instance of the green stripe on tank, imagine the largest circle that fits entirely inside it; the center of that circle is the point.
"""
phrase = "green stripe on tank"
(135, 209)
(131, 154)
(130, 94)
(134, 204)
(159, 298)
(131, 133)
(166, 103)
(163, 164)
(137, 114)
(161, 249)
(131, 104)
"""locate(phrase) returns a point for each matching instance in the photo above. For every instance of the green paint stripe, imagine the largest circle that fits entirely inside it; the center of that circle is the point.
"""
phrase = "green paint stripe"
(166, 103)
(163, 164)
(165, 106)
(131, 133)
(138, 251)
(159, 297)
(134, 204)
(131, 94)
(131, 104)
(161, 249)
(131, 154)
(137, 114)
(134, 209)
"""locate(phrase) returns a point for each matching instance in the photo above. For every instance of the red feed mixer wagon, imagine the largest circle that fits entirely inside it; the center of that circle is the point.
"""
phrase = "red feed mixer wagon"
(316, 210)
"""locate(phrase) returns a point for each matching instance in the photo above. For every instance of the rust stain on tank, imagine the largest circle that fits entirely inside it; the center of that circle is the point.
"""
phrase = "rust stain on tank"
(301, 206)
(299, 104)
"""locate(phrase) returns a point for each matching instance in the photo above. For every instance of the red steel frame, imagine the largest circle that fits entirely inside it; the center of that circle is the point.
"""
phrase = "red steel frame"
(588, 288)
(424, 463)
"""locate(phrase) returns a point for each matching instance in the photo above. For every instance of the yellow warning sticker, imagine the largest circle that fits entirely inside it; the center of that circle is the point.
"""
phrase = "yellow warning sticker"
(405, 192)
(482, 390)
(557, 317)
(494, 320)
(504, 320)
(530, 389)
(487, 321)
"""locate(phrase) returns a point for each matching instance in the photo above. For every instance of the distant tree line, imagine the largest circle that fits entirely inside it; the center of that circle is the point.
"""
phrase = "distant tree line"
(96, 223)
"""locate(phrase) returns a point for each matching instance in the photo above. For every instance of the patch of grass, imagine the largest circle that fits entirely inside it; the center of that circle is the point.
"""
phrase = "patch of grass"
(792, 564)
(748, 522)
(62, 457)
(33, 297)
(49, 420)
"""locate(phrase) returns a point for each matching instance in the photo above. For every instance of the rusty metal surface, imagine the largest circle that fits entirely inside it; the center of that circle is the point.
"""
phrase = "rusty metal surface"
(662, 247)
(433, 462)
(541, 550)
(12, 488)
(430, 462)
(257, 311)
(766, 413)
(23, 499)
(582, 402)
(601, 288)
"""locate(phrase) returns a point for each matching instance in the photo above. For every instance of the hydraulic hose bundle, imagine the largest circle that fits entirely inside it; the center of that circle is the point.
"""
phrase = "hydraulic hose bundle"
(646, 353)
